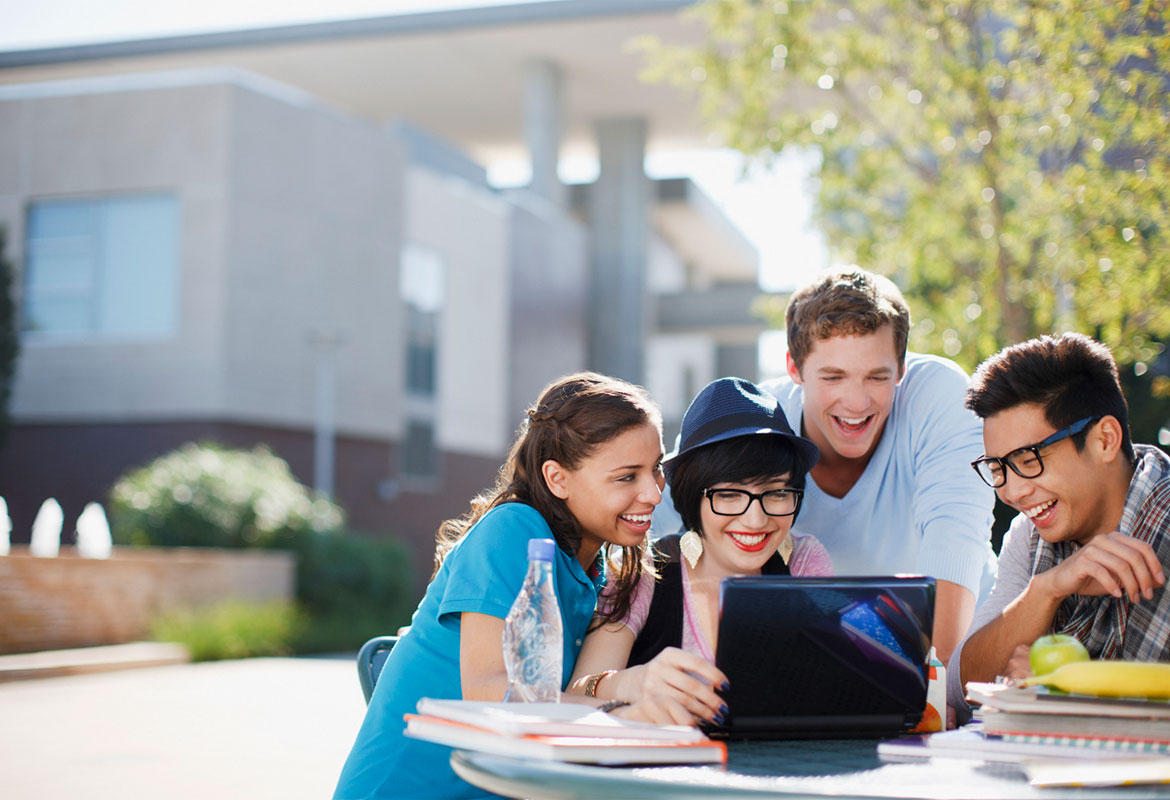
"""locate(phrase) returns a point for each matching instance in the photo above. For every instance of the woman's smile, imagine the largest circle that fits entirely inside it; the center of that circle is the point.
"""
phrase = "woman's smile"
(749, 542)
(637, 522)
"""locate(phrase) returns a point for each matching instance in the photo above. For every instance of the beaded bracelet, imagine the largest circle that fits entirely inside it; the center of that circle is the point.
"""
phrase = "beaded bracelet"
(612, 705)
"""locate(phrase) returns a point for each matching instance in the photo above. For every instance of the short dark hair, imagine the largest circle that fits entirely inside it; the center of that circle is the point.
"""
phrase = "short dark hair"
(744, 459)
(1071, 376)
(849, 302)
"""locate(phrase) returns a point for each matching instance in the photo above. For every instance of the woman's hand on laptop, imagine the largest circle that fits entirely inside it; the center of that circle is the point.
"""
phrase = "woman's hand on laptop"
(676, 675)
(656, 711)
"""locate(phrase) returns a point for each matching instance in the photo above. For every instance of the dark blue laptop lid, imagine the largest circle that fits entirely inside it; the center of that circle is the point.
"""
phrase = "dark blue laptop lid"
(817, 657)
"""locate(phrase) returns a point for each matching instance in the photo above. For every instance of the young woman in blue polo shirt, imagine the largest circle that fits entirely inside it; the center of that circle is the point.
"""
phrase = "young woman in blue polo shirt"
(585, 470)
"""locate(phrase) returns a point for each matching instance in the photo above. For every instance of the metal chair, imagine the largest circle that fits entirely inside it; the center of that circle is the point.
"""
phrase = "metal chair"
(370, 660)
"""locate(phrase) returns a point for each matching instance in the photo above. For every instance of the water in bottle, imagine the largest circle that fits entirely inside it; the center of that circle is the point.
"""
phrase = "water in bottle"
(533, 636)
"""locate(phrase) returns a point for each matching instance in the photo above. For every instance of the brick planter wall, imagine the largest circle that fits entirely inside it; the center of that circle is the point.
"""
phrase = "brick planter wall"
(68, 601)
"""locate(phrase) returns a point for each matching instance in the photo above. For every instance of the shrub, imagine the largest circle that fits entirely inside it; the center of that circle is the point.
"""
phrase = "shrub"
(208, 496)
(352, 587)
(232, 629)
(349, 587)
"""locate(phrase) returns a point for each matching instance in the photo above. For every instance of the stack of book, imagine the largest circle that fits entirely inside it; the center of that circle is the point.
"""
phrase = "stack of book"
(1042, 716)
(558, 732)
(1083, 739)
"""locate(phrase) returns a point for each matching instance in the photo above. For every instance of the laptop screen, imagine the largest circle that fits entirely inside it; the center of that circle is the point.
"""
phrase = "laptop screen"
(824, 656)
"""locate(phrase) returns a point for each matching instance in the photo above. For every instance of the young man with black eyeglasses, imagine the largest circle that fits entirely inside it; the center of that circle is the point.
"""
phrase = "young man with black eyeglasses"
(1089, 551)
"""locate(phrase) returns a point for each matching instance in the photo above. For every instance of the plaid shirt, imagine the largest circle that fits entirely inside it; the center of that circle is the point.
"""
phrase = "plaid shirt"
(1108, 626)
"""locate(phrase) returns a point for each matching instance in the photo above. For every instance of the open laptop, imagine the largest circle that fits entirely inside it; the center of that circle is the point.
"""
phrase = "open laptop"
(824, 657)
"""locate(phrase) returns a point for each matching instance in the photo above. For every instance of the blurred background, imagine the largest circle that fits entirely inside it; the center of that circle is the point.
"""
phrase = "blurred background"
(285, 276)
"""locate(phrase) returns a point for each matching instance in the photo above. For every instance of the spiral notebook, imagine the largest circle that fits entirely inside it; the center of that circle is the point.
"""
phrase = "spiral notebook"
(824, 657)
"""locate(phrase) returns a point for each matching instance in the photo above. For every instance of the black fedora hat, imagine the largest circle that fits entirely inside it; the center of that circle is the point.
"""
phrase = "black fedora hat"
(731, 407)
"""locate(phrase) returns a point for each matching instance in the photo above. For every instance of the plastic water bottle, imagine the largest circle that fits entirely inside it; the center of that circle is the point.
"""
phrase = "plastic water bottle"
(533, 636)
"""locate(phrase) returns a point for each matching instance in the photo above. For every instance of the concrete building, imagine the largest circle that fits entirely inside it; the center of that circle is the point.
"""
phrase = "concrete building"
(287, 236)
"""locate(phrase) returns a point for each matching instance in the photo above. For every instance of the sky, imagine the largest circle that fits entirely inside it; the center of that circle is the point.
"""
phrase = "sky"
(42, 23)
(770, 205)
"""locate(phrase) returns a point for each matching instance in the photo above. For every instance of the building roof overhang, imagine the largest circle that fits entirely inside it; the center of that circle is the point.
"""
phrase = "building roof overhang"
(696, 229)
(461, 74)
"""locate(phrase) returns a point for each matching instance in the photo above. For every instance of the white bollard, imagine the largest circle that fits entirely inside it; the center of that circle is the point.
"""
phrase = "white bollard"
(5, 528)
(46, 530)
(93, 532)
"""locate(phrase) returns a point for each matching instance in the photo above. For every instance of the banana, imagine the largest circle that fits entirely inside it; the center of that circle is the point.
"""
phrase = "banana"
(1108, 678)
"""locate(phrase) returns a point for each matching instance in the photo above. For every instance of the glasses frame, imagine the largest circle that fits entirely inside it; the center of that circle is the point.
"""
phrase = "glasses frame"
(753, 497)
(1009, 459)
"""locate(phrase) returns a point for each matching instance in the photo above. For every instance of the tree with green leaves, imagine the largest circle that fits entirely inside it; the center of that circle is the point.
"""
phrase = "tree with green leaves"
(1005, 161)
(9, 337)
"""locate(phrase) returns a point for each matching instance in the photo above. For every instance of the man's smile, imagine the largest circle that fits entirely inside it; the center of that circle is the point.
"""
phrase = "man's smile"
(852, 425)
(1040, 513)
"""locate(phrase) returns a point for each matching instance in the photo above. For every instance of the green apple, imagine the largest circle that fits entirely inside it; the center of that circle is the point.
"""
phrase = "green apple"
(1054, 650)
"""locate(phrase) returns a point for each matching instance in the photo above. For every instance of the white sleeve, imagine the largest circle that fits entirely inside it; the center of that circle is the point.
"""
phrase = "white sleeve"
(952, 506)
(1015, 571)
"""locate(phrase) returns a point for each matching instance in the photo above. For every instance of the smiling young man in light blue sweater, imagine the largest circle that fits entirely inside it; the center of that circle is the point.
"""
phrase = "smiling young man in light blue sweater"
(893, 490)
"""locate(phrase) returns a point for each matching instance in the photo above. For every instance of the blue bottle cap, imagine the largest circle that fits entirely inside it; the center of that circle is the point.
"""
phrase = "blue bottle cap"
(541, 549)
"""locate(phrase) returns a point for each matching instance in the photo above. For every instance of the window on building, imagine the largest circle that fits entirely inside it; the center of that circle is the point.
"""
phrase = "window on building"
(105, 266)
(422, 285)
(420, 457)
(420, 352)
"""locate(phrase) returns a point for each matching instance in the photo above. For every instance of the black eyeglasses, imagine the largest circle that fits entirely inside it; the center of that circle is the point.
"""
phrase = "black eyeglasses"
(733, 502)
(1024, 461)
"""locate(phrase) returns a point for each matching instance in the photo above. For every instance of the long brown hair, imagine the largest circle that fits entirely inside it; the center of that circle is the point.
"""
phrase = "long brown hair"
(573, 417)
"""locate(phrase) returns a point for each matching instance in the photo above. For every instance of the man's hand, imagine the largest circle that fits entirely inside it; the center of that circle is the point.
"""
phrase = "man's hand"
(1019, 666)
(1111, 563)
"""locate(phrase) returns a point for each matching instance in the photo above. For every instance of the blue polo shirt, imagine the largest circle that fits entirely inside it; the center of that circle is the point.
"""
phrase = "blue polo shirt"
(482, 574)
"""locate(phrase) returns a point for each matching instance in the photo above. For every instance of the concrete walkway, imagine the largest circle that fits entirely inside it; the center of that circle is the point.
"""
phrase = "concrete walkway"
(107, 658)
(256, 728)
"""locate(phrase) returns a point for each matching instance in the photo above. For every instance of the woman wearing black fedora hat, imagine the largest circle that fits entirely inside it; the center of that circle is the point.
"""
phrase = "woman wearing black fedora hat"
(736, 479)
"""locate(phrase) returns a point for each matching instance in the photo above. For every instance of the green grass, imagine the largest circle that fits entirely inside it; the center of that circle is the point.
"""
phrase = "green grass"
(232, 629)
(338, 631)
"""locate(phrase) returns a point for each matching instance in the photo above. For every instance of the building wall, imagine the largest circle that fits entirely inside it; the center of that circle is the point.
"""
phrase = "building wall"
(315, 208)
(665, 271)
(548, 319)
(678, 366)
(107, 143)
(292, 222)
(467, 225)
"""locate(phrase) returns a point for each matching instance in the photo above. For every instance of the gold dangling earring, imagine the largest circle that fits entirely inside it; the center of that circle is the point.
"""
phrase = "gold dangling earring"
(786, 549)
(691, 545)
